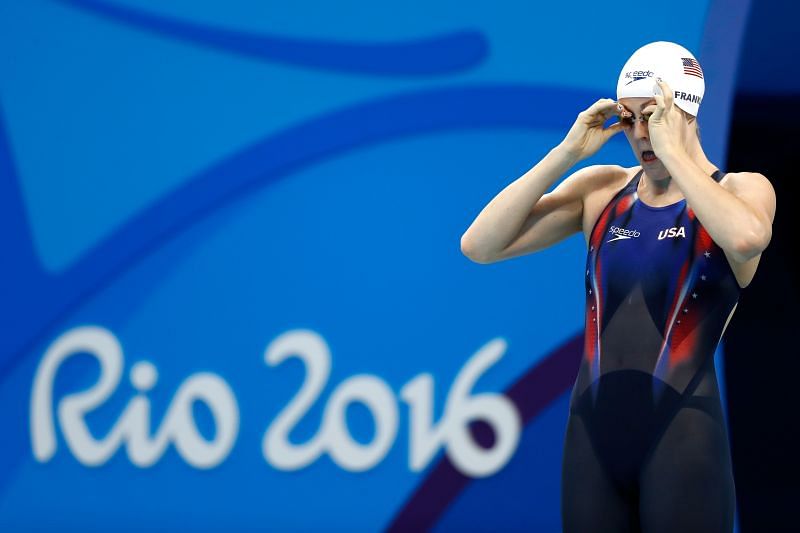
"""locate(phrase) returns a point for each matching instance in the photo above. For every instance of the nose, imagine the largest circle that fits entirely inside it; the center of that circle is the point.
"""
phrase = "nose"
(640, 130)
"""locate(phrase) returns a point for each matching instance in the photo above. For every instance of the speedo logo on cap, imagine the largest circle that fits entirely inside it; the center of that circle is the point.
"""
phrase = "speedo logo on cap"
(622, 233)
(689, 97)
(636, 75)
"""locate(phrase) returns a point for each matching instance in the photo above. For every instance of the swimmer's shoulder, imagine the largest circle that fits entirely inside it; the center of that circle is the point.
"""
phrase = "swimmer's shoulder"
(734, 181)
(612, 178)
(597, 181)
(755, 189)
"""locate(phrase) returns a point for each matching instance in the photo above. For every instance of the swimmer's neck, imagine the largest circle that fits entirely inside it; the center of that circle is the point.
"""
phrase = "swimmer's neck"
(695, 152)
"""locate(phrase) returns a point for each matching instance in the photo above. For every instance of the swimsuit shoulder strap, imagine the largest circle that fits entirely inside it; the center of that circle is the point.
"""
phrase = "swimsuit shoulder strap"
(634, 182)
(619, 203)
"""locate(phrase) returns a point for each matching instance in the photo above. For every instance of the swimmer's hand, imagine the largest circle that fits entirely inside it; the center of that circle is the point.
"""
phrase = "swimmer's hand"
(587, 135)
(664, 126)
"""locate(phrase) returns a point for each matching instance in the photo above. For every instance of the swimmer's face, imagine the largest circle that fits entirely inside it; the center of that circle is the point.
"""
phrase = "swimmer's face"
(634, 114)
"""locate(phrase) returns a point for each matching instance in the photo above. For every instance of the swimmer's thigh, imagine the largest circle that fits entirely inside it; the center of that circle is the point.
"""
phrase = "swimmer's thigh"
(589, 501)
(687, 483)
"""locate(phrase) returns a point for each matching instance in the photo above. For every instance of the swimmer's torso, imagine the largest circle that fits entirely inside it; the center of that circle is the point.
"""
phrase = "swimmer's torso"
(658, 292)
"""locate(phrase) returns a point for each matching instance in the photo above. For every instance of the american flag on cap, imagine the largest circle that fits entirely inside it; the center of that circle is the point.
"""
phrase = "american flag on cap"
(692, 67)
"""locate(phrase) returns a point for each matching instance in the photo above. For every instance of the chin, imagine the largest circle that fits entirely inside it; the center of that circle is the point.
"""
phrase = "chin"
(655, 171)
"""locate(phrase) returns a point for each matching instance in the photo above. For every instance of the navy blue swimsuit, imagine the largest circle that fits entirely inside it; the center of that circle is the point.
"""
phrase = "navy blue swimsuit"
(646, 446)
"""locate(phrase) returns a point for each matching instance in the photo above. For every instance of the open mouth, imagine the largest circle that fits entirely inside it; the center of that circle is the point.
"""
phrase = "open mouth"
(648, 156)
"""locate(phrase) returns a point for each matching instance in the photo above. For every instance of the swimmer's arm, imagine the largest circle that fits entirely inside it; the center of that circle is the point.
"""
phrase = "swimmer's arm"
(509, 227)
(738, 215)
(758, 195)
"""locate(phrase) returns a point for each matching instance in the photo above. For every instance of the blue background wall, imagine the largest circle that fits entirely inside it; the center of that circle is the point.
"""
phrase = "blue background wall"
(198, 179)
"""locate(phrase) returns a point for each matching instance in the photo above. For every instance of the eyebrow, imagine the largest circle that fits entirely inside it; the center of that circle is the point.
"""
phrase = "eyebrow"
(649, 102)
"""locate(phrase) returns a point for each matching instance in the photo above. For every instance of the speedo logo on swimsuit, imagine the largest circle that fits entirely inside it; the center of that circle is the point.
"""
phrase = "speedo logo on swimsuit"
(671, 232)
(622, 233)
(636, 75)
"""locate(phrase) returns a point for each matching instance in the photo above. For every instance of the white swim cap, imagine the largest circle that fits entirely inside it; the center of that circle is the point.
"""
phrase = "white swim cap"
(672, 63)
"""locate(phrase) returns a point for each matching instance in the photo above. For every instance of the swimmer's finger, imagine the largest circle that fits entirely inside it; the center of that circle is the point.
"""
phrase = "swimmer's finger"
(622, 111)
(599, 112)
(663, 97)
(669, 96)
(658, 96)
(601, 104)
(613, 129)
(608, 108)
(610, 111)
(659, 112)
(605, 107)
